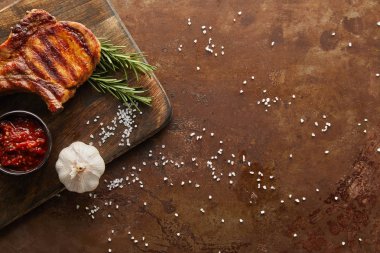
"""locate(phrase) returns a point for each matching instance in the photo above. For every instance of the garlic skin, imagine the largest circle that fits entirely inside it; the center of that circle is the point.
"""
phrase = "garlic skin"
(79, 167)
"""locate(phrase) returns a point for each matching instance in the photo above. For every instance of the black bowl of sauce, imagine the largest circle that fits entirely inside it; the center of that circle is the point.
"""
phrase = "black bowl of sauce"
(25, 143)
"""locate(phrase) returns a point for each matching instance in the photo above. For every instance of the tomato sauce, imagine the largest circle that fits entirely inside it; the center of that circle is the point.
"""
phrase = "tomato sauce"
(23, 143)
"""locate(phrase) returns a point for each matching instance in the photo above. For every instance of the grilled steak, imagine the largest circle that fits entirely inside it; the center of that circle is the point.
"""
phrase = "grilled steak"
(47, 57)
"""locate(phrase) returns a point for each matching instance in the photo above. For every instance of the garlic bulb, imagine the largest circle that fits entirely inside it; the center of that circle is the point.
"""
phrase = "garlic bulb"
(79, 167)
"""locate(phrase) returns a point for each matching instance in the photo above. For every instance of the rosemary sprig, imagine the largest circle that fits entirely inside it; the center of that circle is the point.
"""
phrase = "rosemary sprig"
(112, 60)
(119, 89)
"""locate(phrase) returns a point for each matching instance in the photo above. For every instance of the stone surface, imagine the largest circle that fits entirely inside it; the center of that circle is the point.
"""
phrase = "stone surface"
(321, 70)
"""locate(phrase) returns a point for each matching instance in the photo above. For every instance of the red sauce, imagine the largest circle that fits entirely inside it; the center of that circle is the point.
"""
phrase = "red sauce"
(23, 143)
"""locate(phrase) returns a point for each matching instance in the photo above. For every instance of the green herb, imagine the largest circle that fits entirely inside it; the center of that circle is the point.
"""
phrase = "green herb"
(118, 88)
(112, 60)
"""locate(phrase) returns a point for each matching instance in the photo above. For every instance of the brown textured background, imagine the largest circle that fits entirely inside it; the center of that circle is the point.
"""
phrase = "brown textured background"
(326, 76)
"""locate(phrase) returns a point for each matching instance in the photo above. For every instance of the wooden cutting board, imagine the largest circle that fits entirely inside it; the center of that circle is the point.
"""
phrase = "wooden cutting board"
(20, 194)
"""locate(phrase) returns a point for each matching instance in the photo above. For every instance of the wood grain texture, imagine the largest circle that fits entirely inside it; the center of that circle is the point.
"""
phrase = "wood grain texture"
(21, 194)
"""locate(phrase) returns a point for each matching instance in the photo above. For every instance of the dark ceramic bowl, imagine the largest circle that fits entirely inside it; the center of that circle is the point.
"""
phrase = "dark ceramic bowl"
(25, 114)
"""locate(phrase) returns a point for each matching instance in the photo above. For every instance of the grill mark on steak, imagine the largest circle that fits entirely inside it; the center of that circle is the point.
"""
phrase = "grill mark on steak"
(78, 38)
(32, 67)
(42, 57)
(48, 86)
(58, 56)
(66, 47)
